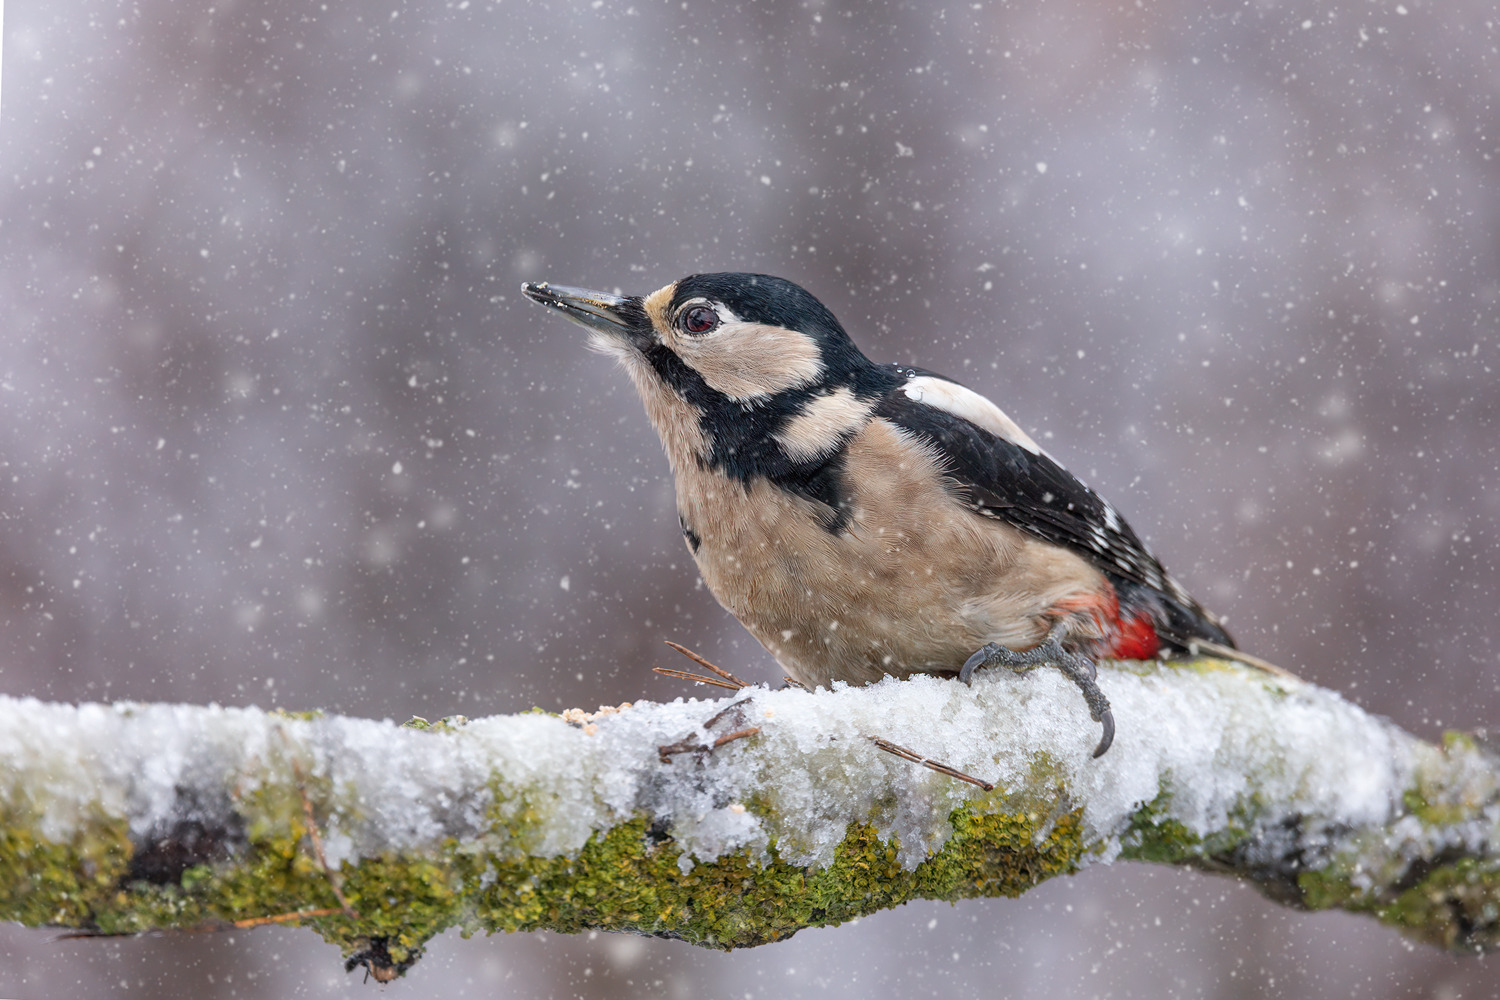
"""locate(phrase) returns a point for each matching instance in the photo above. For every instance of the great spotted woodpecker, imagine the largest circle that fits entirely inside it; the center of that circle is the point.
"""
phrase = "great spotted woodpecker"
(865, 520)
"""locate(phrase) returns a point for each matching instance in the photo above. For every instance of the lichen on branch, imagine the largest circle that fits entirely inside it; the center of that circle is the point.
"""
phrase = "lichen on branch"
(125, 818)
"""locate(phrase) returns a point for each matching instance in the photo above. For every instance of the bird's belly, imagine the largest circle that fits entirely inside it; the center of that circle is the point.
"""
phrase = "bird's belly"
(907, 597)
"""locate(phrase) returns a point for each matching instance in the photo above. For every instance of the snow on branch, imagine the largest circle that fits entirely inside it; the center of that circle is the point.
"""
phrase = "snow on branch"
(734, 822)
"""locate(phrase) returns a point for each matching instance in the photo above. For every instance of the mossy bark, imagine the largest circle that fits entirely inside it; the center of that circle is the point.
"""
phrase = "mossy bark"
(624, 879)
(242, 852)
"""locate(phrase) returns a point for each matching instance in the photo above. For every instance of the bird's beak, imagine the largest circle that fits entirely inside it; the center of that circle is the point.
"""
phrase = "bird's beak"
(600, 312)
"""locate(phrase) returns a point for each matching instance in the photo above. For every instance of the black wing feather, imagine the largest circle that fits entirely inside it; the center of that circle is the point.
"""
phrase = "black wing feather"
(1002, 480)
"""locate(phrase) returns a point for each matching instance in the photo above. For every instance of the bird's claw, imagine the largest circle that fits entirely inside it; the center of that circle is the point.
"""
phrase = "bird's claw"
(988, 655)
(1108, 736)
(1079, 669)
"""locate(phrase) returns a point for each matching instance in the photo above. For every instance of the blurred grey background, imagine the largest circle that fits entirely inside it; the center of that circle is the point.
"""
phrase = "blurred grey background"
(278, 428)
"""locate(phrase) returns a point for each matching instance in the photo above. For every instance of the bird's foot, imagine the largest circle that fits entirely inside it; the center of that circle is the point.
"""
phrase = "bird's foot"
(1075, 666)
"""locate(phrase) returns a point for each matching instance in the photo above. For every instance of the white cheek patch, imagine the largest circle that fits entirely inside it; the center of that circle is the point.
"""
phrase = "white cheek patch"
(821, 424)
(748, 361)
(968, 404)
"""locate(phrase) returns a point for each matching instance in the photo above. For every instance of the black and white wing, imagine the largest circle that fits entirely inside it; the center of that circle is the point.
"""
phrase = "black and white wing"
(999, 471)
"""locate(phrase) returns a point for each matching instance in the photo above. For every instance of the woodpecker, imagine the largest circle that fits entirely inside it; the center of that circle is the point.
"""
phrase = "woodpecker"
(866, 520)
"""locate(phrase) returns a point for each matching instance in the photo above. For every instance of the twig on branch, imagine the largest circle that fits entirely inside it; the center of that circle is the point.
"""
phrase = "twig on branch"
(726, 679)
(290, 918)
(248, 923)
(908, 754)
(334, 880)
(689, 745)
(688, 675)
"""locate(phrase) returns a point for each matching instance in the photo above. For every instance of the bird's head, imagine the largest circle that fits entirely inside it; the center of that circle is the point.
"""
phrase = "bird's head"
(727, 363)
(746, 336)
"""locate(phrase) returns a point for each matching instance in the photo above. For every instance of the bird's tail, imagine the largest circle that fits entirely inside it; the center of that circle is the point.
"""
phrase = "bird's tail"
(1238, 655)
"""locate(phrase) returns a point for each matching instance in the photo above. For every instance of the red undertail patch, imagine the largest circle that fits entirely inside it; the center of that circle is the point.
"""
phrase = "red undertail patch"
(1135, 639)
(1126, 638)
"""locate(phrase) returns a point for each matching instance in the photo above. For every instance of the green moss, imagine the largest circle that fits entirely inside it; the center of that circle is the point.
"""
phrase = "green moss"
(1447, 900)
(1454, 905)
(300, 716)
(1155, 836)
(1197, 665)
(45, 883)
(621, 880)
(1436, 806)
(1328, 888)
(1415, 802)
(447, 724)
(618, 882)
(1446, 792)
(624, 879)
(401, 902)
(1456, 741)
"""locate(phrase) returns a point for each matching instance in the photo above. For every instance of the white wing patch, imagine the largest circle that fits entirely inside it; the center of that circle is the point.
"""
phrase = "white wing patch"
(969, 405)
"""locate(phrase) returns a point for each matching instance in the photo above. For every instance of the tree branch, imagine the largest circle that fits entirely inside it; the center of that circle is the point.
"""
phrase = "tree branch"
(125, 818)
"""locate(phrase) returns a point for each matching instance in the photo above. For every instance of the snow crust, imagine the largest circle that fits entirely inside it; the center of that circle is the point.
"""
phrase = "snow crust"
(1210, 738)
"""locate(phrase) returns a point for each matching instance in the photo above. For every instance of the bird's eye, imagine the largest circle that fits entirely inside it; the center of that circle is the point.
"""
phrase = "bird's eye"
(699, 319)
